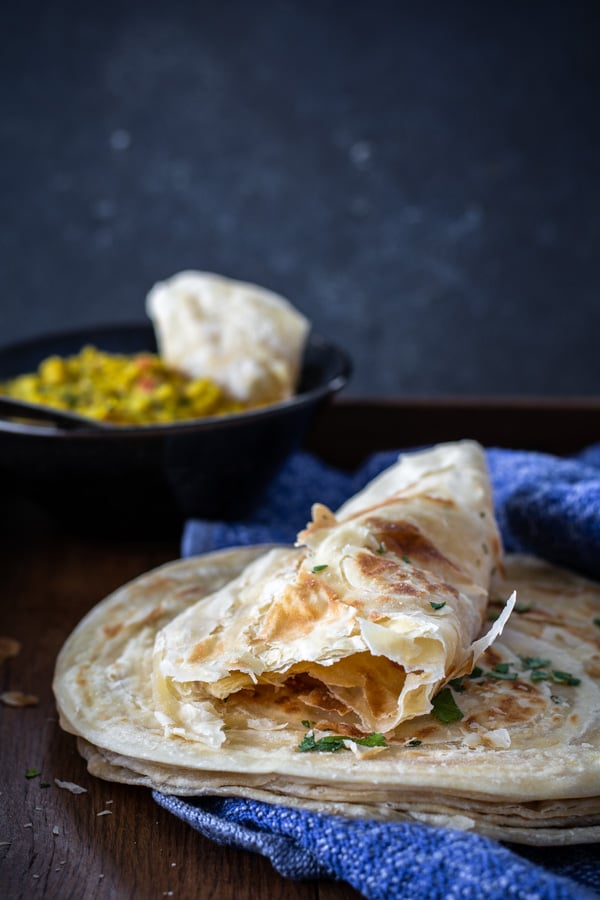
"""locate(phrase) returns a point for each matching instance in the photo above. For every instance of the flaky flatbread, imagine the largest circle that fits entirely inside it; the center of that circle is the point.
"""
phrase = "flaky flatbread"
(247, 339)
(513, 752)
(360, 625)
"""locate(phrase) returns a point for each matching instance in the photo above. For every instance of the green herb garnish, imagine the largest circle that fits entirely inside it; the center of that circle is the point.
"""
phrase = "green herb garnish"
(375, 739)
(502, 668)
(331, 743)
(382, 548)
(476, 673)
(316, 569)
(414, 743)
(539, 675)
(534, 662)
(501, 676)
(522, 607)
(597, 621)
(328, 744)
(445, 708)
(406, 558)
(32, 773)
(501, 672)
(435, 605)
(565, 678)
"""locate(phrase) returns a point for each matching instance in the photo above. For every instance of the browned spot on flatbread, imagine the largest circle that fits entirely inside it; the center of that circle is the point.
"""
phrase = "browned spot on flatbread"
(208, 646)
(415, 585)
(491, 657)
(592, 667)
(153, 615)
(405, 539)
(421, 734)
(513, 703)
(373, 564)
(112, 630)
(448, 588)
(376, 616)
(298, 608)
(516, 711)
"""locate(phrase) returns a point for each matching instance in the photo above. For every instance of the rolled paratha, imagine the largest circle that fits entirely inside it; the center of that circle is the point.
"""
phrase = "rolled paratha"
(356, 628)
(509, 747)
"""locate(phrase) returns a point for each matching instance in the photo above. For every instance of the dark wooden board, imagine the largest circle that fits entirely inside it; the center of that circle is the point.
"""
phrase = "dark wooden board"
(53, 844)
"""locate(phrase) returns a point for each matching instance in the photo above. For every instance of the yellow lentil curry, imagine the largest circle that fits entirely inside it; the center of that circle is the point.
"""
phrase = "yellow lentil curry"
(125, 390)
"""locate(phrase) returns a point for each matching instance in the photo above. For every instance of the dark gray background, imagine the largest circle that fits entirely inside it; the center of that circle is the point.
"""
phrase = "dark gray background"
(422, 180)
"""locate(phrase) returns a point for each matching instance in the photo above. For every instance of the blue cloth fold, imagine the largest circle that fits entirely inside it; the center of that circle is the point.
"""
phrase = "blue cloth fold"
(546, 506)
(389, 860)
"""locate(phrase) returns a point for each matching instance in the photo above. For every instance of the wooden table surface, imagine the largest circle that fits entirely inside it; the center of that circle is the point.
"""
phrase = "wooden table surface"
(54, 844)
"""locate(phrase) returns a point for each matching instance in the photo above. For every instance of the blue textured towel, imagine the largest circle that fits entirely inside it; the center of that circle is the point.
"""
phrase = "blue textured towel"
(546, 506)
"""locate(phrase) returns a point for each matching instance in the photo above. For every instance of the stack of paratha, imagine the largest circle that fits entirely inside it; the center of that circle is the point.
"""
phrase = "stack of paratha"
(380, 668)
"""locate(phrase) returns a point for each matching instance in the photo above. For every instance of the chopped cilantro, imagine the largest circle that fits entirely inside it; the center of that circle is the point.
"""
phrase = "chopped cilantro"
(539, 675)
(375, 739)
(457, 684)
(435, 605)
(502, 667)
(331, 743)
(445, 708)
(414, 743)
(482, 514)
(597, 621)
(534, 662)
(476, 673)
(32, 773)
(565, 678)
(522, 607)
(405, 558)
(501, 676)
(382, 548)
(319, 568)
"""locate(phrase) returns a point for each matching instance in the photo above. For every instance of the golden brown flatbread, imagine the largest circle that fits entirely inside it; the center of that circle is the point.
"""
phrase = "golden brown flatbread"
(506, 740)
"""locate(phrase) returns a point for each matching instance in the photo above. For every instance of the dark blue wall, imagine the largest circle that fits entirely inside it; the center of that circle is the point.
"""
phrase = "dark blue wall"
(422, 180)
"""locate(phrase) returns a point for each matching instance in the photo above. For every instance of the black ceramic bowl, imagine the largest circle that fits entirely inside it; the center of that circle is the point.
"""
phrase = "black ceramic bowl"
(147, 480)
